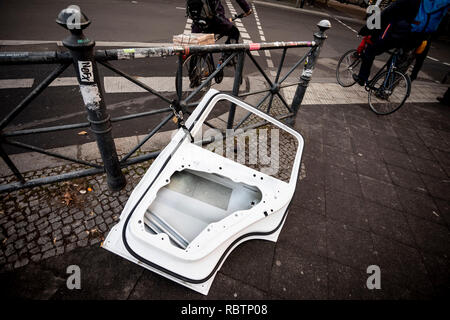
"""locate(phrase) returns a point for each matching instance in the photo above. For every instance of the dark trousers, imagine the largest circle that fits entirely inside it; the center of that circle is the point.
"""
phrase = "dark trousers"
(378, 47)
(446, 97)
(220, 25)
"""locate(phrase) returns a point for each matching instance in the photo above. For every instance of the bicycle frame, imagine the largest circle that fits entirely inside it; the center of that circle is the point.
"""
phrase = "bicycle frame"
(390, 66)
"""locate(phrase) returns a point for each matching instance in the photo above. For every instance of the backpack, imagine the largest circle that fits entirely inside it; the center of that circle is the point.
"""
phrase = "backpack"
(429, 16)
(200, 11)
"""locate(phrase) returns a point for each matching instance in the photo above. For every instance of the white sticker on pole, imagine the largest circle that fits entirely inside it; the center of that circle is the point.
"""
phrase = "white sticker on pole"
(91, 96)
(86, 71)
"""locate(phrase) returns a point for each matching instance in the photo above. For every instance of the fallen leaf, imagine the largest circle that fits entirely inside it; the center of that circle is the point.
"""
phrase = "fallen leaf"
(82, 133)
(67, 198)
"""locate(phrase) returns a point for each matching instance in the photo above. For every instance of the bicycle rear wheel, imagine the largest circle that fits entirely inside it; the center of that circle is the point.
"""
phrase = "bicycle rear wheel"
(348, 65)
(196, 68)
(388, 92)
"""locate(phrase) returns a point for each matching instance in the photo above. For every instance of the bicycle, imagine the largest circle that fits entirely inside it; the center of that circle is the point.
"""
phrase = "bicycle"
(388, 89)
(201, 65)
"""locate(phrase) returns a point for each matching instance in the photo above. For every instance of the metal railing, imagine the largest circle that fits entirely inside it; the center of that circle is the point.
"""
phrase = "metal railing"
(84, 58)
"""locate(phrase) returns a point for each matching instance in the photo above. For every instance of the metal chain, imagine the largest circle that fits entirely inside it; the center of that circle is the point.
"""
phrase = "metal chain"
(178, 115)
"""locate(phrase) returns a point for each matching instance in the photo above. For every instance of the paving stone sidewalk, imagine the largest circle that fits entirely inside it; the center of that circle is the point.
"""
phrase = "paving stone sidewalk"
(376, 192)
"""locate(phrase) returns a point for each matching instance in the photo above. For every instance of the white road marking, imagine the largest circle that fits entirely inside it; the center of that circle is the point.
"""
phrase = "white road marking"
(63, 82)
(161, 84)
(431, 58)
(320, 92)
(118, 84)
(345, 25)
(246, 38)
(16, 83)
(263, 39)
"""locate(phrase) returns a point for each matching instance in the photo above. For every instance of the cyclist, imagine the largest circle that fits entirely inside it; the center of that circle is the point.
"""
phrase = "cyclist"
(215, 21)
(404, 24)
(208, 16)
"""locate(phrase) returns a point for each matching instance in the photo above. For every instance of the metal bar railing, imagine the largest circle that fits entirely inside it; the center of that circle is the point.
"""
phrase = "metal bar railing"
(257, 107)
(33, 94)
(139, 53)
(135, 81)
(44, 57)
(236, 85)
(11, 165)
(280, 67)
(147, 137)
(80, 125)
(48, 57)
(209, 78)
(84, 58)
(50, 153)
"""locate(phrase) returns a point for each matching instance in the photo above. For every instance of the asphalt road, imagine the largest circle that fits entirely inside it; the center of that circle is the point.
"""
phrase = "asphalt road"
(154, 21)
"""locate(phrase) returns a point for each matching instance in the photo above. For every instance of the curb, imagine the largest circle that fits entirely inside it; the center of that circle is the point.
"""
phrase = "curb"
(318, 13)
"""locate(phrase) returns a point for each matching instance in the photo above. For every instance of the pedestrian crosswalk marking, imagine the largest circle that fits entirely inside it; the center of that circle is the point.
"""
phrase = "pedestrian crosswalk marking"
(16, 83)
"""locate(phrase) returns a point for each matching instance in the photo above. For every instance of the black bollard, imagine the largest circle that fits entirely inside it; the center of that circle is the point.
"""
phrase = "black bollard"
(82, 50)
(319, 38)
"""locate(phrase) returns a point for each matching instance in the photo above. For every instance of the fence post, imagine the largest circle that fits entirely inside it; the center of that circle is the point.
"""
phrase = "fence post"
(82, 50)
(319, 38)
(236, 86)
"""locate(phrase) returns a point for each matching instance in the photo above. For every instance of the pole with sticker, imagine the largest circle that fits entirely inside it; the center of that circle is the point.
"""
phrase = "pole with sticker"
(311, 59)
(82, 51)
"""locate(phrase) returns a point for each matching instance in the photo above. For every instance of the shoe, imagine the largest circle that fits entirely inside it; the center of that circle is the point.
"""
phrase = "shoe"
(361, 82)
(443, 101)
(356, 55)
(194, 83)
(219, 76)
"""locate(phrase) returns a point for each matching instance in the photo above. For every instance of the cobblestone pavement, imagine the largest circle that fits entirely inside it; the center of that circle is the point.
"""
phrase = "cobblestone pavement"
(39, 223)
(374, 191)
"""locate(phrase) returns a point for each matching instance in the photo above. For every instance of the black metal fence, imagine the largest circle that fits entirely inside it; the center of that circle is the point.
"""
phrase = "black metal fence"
(84, 58)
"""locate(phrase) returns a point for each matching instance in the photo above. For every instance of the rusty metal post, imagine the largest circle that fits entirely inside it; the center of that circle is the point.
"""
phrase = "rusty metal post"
(319, 38)
(82, 50)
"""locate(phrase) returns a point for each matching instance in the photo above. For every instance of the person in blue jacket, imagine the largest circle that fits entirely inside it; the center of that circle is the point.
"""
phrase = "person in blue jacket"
(404, 24)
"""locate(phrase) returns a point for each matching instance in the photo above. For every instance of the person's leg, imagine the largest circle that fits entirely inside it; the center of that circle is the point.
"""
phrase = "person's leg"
(420, 58)
(373, 50)
(226, 28)
(233, 35)
(445, 100)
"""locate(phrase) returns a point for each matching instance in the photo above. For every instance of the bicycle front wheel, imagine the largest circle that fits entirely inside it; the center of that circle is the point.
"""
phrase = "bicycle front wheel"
(388, 92)
(348, 65)
(196, 68)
